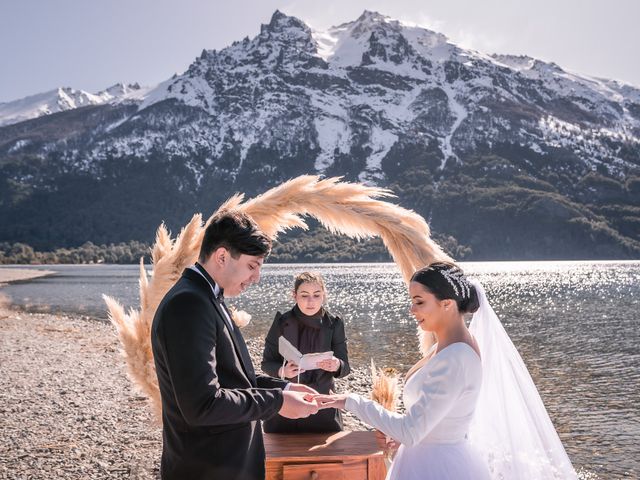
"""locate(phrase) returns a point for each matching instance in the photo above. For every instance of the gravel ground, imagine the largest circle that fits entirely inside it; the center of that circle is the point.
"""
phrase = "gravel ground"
(67, 408)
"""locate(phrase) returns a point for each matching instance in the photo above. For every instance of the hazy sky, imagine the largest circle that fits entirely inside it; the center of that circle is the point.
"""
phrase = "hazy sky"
(92, 44)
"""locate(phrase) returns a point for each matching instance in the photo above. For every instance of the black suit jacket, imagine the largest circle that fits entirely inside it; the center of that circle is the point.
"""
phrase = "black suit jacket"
(212, 400)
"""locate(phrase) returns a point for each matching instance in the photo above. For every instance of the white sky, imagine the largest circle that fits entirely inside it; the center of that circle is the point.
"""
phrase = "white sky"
(92, 44)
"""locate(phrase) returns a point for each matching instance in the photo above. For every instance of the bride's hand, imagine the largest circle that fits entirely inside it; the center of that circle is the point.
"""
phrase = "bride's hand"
(335, 400)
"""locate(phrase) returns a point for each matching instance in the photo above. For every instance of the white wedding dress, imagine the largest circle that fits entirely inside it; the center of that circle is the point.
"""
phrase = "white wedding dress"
(440, 400)
(468, 418)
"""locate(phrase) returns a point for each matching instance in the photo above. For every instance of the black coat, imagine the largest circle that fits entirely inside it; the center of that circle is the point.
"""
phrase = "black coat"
(212, 401)
(332, 337)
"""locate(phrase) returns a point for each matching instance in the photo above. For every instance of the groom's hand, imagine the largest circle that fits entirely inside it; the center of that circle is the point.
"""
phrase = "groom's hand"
(309, 392)
(296, 405)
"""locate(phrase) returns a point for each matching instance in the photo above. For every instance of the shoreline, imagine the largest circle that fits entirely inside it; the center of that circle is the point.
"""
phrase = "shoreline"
(12, 275)
(70, 411)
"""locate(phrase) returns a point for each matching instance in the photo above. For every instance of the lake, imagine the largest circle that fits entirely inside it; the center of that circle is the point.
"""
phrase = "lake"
(574, 323)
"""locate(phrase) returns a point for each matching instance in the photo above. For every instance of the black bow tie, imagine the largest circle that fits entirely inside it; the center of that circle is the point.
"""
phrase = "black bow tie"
(220, 295)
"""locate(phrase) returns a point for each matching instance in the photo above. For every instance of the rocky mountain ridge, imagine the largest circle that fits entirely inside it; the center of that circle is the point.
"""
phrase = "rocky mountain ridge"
(504, 142)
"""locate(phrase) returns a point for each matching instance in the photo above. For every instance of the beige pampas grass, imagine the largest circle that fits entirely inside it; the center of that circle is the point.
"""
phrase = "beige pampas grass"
(170, 258)
(134, 337)
(385, 391)
(351, 209)
(384, 387)
(348, 208)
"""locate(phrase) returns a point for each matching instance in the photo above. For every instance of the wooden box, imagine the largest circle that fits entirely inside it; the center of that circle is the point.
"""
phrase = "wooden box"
(325, 456)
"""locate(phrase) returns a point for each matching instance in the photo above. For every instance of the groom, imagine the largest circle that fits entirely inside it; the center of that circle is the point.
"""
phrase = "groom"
(212, 399)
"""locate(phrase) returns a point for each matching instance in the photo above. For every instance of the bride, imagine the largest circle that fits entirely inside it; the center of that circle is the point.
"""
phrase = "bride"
(472, 410)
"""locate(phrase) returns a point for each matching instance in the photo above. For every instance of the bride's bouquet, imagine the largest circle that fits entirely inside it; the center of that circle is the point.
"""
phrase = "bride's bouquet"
(385, 391)
(384, 386)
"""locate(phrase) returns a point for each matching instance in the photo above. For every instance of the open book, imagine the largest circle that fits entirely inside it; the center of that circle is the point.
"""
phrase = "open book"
(307, 361)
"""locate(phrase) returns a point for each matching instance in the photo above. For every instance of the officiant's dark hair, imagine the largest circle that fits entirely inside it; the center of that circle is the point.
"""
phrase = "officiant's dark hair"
(237, 232)
(447, 281)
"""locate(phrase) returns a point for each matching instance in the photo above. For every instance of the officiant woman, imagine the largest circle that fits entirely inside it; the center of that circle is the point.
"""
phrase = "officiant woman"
(311, 329)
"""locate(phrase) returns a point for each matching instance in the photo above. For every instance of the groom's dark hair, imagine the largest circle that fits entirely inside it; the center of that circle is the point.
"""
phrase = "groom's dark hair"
(237, 232)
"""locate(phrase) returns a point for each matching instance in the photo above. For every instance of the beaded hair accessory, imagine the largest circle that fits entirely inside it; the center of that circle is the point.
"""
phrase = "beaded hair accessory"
(457, 280)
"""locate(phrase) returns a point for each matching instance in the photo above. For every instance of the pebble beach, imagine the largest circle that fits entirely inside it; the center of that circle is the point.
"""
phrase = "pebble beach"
(67, 407)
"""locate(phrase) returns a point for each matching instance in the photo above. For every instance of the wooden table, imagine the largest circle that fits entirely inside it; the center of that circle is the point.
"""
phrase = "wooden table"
(326, 456)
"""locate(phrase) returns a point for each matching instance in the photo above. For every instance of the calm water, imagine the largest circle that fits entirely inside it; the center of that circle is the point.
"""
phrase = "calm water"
(575, 324)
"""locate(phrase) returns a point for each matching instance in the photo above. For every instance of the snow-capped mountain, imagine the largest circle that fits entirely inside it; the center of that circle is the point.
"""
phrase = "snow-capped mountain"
(402, 79)
(64, 98)
(375, 100)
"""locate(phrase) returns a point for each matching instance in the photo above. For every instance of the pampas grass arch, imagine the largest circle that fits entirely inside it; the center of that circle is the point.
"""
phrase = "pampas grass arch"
(352, 209)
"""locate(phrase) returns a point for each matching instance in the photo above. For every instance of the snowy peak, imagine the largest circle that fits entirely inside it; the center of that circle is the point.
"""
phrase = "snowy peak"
(377, 41)
(62, 99)
(367, 23)
(362, 40)
(58, 100)
(356, 90)
(283, 24)
(361, 93)
(119, 90)
(371, 18)
(68, 98)
(283, 47)
(283, 40)
(284, 32)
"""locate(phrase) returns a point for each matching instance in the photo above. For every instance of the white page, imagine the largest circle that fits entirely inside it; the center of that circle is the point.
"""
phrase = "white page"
(288, 351)
(306, 362)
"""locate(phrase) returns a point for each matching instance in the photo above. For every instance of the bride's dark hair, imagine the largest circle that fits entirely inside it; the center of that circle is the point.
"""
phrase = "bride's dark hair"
(447, 281)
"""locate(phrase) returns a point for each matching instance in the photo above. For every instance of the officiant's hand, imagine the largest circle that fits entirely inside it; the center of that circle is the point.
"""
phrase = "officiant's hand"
(330, 365)
(335, 400)
(309, 392)
(291, 370)
(296, 405)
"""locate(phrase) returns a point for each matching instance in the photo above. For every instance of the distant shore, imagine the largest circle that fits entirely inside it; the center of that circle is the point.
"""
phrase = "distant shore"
(69, 411)
(8, 275)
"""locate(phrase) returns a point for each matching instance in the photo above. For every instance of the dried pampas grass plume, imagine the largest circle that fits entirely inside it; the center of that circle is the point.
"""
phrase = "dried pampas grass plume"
(385, 391)
(351, 209)
(384, 387)
(134, 337)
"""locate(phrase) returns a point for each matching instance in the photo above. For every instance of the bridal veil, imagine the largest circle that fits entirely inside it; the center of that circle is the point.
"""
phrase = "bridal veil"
(511, 427)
